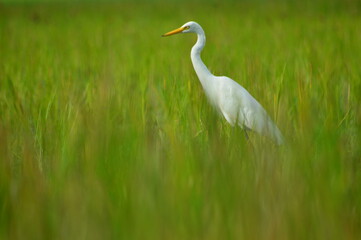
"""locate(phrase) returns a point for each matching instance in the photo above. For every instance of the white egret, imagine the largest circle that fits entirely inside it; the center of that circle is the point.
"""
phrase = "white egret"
(227, 96)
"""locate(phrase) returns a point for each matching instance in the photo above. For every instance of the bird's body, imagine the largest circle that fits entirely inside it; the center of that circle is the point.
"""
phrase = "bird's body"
(230, 99)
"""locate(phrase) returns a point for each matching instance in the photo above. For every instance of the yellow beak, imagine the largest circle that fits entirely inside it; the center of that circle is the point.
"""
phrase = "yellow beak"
(178, 30)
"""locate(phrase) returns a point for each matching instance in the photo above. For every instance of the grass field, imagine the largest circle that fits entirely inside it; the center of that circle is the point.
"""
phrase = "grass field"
(105, 132)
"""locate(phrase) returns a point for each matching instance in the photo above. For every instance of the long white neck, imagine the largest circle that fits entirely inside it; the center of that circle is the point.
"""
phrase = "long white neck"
(202, 71)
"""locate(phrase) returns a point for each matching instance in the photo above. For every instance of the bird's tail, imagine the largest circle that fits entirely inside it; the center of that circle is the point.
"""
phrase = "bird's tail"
(274, 133)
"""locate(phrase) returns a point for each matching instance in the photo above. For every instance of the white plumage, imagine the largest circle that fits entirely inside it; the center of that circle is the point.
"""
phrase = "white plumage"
(227, 96)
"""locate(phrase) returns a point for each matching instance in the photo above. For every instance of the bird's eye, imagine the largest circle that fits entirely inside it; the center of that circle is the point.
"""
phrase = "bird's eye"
(187, 27)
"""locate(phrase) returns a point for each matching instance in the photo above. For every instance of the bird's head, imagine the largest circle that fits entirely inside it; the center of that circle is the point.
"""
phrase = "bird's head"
(189, 27)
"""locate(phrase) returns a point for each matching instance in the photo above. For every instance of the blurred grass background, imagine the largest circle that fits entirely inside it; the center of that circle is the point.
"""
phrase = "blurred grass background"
(105, 132)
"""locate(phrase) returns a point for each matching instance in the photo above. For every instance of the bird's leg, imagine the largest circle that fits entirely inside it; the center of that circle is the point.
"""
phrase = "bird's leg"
(247, 137)
(245, 133)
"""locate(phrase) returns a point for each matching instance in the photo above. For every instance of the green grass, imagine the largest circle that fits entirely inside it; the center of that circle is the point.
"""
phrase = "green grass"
(105, 132)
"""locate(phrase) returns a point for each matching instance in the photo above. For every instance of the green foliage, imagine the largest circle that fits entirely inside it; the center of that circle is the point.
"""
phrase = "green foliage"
(106, 133)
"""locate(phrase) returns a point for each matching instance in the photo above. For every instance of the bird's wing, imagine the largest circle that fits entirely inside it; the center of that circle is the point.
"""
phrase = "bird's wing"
(237, 105)
(230, 100)
(257, 119)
